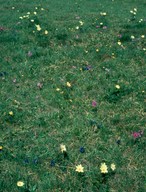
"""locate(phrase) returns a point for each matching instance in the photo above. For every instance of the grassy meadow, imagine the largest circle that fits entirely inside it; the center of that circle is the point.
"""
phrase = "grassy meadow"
(72, 96)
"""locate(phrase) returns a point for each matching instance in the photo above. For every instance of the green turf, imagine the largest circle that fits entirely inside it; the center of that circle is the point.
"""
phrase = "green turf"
(93, 59)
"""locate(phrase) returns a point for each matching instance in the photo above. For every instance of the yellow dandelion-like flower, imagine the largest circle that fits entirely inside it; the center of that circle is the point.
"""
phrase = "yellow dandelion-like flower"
(1, 147)
(46, 32)
(81, 22)
(63, 148)
(97, 50)
(11, 113)
(113, 166)
(20, 183)
(142, 36)
(119, 43)
(68, 84)
(38, 27)
(132, 37)
(79, 168)
(57, 89)
(103, 168)
(117, 86)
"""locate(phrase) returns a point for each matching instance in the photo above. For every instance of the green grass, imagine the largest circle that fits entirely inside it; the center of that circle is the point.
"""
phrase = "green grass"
(34, 71)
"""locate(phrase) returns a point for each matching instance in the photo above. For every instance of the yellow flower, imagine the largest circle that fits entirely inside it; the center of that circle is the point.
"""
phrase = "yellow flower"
(63, 148)
(142, 36)
(132, 37)
(79, 168)
(46, 32)
(28, 13)
(97, 50)
(68, 84)
(20, 183)
(103, 168)
(57, 89)
(34, 13)
(81, 22)
(11, 113)
(42, 9)
(1, 147)
(38, 27)
(119, 43)
(117, 86)
(113, 166)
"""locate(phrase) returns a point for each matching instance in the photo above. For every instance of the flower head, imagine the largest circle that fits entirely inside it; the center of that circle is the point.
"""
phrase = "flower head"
(20, 183)
(46, 32)
(117, 86)
(94, 103)
(68, 84)
(38, 27)
(11, 113)
(79, 168)
(82, 149)
(63, 148)
(103, 168)
(113, 166)
(1, 148)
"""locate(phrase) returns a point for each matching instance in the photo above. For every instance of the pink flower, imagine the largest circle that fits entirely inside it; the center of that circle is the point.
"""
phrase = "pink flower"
(137, 134)
(94, 103)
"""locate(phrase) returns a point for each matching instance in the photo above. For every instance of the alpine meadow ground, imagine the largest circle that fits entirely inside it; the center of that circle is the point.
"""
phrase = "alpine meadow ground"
(72, 96)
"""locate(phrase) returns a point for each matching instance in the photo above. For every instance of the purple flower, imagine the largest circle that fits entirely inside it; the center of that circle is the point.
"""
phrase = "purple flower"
(94, 103)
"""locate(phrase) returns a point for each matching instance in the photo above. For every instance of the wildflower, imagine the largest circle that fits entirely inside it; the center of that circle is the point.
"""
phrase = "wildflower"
(94, 103)
(103, 168)
(82, 149)
(57, 89)
(142, 36)
(119, 43)
(132, 37)
(97, 50)
(101, 24)
(11, 113)
(52, 163)
(63, 148)
(34, 13)
(135, 9)
(79, 168)
(28, 13)
(42, 9)
(20, 17)
(113, 166)
(117, 86)
(81, 22)
(38, 27)
(46, 32)
(68, 84)
(137, 134)
(77, 27)
(29, 53)
(13, 7)
(103, 13)
(32, 20)
(20, 183)
(1, 148)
